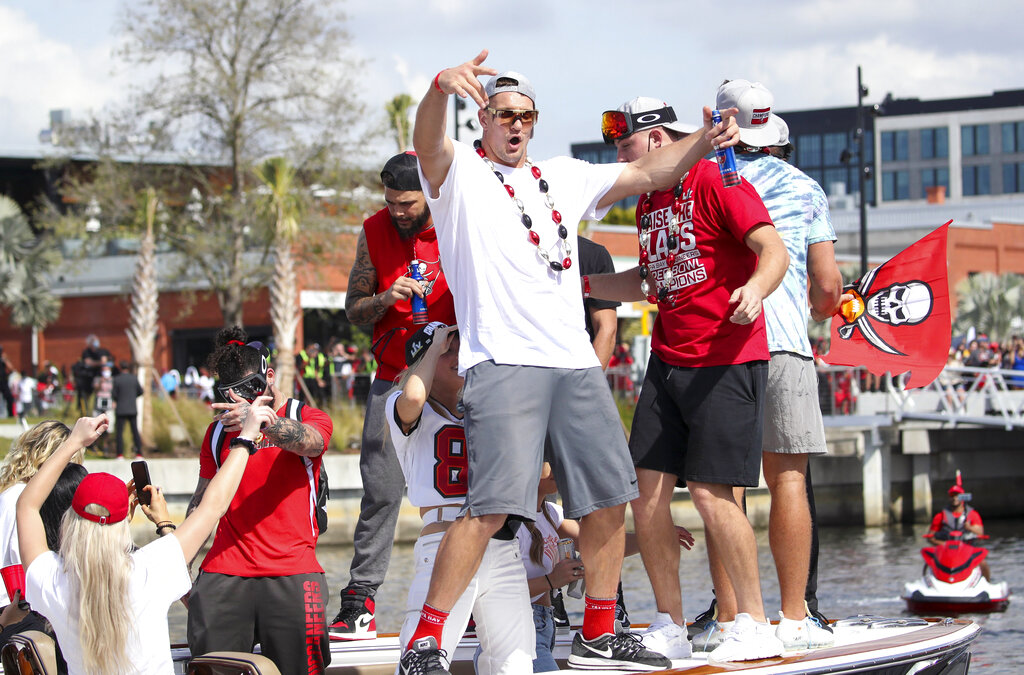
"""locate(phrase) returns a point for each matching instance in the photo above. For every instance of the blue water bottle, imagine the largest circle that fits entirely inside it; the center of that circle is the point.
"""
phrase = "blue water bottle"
(726, 159)
(419, 305)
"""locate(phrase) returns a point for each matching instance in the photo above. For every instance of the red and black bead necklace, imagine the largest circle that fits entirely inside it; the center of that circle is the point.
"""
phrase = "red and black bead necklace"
(563, 232)
(663, 294)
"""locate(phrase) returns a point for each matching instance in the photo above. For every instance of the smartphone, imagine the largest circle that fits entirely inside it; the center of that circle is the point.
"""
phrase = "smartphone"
(140, 472)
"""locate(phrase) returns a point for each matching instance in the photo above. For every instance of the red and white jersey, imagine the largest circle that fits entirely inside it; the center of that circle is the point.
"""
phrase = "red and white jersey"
(432, 455)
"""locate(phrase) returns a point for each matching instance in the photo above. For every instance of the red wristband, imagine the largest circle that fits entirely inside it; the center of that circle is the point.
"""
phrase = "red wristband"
(436, 85)
(586, 286)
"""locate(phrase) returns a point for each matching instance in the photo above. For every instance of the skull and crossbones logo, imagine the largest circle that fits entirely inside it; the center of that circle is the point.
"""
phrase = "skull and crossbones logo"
(905, 303)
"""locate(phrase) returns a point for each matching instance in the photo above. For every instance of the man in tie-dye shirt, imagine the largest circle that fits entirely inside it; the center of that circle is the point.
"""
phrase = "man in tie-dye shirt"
(793, 428)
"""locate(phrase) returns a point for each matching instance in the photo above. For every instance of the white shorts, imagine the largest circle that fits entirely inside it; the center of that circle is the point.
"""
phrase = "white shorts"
(498, 599)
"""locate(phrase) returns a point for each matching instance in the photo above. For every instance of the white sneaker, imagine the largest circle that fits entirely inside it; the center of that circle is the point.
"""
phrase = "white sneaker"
(803, 634)
(712, 636)
(666, 637)
(748, 640)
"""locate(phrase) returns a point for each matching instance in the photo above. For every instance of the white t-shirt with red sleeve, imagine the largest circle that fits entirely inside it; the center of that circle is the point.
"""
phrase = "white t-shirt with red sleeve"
(711, 263)
(270, 527)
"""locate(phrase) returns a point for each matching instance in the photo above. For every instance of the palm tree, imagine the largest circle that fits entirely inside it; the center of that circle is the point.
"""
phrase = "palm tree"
(25, 266)
(142, 324)
(990, 304)
(279, 178)
(398, 118)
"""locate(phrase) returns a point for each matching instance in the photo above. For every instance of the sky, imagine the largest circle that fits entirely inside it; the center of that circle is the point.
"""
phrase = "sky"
(583, 56)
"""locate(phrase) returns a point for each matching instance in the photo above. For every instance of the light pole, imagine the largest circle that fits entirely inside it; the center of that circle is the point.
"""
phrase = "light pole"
(862, 91)
(470, 124)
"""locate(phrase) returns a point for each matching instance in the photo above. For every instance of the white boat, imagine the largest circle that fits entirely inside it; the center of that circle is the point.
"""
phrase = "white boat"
(865, 644)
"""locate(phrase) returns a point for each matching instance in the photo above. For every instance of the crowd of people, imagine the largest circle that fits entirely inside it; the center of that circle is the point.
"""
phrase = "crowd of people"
(493, 326)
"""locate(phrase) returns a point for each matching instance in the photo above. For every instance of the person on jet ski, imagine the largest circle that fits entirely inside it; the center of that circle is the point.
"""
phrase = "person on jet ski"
(958, 516)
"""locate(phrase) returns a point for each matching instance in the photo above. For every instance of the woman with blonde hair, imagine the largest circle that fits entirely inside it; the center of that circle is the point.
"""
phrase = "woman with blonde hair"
(27, 454)
(107, 602)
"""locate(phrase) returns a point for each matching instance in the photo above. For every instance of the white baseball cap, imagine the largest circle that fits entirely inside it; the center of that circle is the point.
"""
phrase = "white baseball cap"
(757, 122)
(646, 112)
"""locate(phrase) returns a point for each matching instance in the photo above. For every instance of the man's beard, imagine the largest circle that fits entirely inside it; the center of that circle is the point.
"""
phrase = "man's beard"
(414, 225)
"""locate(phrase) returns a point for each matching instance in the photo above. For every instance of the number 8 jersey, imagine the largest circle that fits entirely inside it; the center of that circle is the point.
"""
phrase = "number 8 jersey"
(432, 454)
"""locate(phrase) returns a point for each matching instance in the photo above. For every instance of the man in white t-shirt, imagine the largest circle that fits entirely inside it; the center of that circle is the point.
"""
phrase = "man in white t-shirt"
(506, 230)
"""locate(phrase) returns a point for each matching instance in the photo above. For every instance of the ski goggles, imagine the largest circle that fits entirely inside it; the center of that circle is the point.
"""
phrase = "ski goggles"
(249, 387)
(616, 124)
(508, 116)
(254, 384)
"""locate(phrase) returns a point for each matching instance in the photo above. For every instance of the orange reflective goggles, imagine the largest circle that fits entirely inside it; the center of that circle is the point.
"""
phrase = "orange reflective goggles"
(616, 124)
(509, 115)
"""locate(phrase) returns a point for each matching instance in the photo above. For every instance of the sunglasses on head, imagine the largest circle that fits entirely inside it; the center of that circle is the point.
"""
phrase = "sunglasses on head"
(510, 115)
(248, 388)
(616, 124)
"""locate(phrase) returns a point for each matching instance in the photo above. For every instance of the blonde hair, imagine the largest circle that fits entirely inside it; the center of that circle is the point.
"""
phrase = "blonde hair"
(97, 560)
(30, 450)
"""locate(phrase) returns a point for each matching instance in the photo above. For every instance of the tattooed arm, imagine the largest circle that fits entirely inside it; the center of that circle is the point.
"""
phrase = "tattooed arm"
(294, 436)
(363, 305)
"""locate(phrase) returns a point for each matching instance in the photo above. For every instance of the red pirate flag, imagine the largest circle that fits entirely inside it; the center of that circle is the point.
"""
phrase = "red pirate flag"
(899, 318)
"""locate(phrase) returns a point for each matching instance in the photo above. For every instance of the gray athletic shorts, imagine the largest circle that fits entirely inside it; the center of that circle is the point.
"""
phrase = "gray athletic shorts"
(509, 411)
(792, 415)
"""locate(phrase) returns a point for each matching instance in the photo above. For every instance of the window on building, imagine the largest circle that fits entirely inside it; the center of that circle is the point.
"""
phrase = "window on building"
(1013, 137)
(976, 181)
(895, 185)
(1013, 177)
(808, 149)
(934, 143)
(974, 139)
(834, 176)
(895, 146)
(832, 147)
(933, 177)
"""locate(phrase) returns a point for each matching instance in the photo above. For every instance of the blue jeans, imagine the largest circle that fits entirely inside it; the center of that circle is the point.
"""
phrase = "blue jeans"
(543, 621)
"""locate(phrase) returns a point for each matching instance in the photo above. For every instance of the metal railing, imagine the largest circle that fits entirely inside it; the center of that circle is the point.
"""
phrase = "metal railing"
(959, 395)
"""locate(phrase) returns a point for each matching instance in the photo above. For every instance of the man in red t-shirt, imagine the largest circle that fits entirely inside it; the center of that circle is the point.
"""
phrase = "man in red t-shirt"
(260, 581)
(380, 293)
(708, 256)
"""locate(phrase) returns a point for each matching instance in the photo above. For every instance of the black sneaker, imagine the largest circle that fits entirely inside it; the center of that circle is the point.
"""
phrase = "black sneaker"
(621, 615)
(423, 658)
(355, 620)
(703, 620)
(615, 651)
(559, 616)
(818, 617)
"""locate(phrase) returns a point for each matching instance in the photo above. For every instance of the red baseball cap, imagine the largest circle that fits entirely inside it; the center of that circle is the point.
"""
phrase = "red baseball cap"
(956, 490)
(102, 489)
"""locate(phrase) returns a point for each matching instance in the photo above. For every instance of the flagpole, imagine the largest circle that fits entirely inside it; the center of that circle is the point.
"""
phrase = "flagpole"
(861, 93)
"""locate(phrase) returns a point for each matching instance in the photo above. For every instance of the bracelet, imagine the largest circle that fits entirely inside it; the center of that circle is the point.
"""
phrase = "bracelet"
(586, 286)
(164, 525)
(436, 85)
(550, 585)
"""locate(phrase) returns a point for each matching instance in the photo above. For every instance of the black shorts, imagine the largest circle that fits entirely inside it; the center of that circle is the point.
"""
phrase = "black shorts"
(701, 424)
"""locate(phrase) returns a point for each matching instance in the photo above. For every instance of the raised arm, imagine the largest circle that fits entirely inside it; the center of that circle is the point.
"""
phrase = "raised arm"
(31, 534)
(772, 261)
(430, 135)
(409, 405)
(218, 492)
(662, 168)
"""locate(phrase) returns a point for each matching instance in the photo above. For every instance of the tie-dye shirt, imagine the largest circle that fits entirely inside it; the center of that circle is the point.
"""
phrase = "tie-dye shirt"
(799, 209)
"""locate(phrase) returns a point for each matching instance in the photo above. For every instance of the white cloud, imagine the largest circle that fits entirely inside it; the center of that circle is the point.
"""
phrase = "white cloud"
(40, 74)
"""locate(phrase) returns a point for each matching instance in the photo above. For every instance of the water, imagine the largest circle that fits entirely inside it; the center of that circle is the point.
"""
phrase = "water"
(861, 571)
